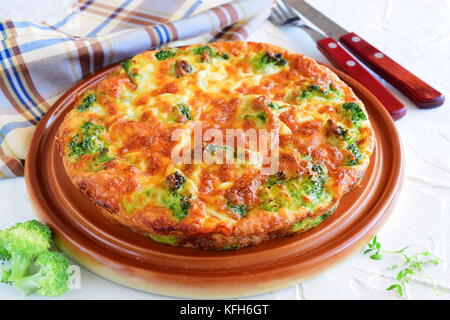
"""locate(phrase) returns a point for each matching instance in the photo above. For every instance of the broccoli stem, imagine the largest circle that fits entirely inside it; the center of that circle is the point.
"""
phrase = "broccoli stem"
(19, 266)
(28, 285)
(4, 274)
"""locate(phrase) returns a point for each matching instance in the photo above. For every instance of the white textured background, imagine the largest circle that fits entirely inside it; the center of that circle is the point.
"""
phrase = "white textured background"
(416, 33)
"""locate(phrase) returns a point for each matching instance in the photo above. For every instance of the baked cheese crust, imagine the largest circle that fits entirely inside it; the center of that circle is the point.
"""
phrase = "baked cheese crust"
(117, 143)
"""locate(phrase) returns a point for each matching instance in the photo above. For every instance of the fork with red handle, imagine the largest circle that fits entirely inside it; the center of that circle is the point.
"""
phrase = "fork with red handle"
(422, 94)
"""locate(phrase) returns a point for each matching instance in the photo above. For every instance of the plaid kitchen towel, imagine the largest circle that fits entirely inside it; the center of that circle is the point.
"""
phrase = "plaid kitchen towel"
(39, 62)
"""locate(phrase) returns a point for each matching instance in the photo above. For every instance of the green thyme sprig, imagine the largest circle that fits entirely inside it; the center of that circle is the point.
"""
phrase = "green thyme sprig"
(375, 247)
(412, 266)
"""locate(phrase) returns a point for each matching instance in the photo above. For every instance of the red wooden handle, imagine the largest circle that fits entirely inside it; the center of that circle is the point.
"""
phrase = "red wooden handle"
(343, 60)
(423, 95)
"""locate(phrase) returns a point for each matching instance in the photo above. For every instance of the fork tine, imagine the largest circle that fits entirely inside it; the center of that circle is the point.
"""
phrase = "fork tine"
(291, 12)
(284, 14)
(276, 9)
(294, 12)
(278, 15)
(283, 9)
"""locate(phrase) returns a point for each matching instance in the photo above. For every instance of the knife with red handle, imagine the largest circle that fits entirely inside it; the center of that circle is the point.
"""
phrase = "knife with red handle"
(345, 61)
(423, 95)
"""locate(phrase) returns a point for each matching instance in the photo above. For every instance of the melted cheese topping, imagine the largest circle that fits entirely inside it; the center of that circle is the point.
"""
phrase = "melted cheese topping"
(117, 142)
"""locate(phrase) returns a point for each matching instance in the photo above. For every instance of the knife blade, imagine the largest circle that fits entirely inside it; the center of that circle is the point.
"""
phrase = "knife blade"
(331, 28)
(421, 93)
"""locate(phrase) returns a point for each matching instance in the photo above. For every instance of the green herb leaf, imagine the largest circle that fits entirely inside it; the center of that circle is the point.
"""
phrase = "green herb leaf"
(376, 256)
(411, 263)
(392, 287)
(398, 288)
(392, 267)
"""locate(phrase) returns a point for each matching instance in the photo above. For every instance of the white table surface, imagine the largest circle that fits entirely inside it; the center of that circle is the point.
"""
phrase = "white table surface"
(415, 33)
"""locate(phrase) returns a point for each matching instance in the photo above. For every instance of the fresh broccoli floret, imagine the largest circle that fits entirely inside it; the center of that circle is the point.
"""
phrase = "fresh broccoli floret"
(178, 204)
(87, 142)
(26, 246)
(239, 209)
(4, 254)
(87, 101)
(165, 54)
(23, 242)
(5, 273)
(354, 111)
(51, 279)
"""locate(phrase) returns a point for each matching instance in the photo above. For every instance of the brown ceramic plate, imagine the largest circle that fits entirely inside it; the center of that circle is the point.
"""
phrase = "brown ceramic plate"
(130, 259)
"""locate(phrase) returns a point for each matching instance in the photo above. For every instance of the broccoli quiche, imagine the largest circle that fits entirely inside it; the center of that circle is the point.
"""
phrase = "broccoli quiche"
(119, 140)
